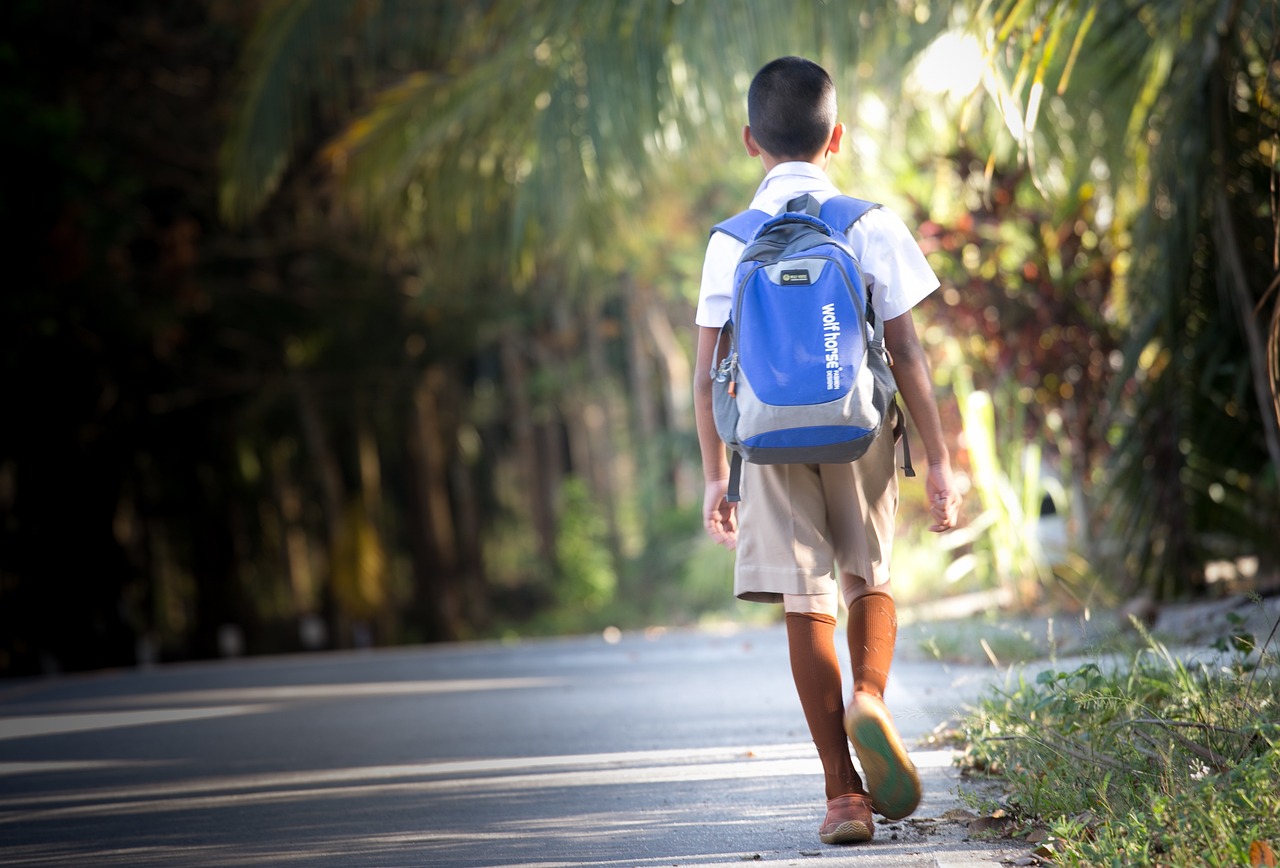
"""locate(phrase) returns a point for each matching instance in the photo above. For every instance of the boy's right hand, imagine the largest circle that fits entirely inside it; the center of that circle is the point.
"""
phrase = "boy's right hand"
(719, 517)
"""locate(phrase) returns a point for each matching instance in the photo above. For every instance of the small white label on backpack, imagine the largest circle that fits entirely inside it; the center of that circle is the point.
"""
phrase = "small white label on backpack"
(831, 345)
(796, 277)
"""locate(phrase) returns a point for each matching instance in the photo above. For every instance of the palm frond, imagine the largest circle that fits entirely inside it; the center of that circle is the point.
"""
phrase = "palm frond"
(304, 67)
(291, 44)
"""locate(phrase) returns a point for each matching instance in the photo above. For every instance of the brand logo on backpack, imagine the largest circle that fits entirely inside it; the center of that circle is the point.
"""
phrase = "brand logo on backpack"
(831, 345)
(796, 277)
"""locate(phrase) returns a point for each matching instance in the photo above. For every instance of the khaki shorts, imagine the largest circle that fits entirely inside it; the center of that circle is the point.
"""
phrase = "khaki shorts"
(799, 523)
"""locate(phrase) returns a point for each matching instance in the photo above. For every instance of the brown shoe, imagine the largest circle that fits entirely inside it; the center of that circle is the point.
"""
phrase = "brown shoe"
(891, 776)
(848, 820)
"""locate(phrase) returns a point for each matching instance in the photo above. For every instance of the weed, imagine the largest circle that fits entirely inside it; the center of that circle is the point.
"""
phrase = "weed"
(1165, 761)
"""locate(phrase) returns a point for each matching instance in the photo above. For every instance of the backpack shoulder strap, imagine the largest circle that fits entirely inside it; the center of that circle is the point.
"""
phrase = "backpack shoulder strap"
(841, 212)
(741, 227)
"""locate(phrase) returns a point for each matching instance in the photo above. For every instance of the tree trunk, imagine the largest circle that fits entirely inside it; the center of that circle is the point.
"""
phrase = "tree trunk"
(432, 533)
(606, 462)
(532, 471)
(1234, 280)
(653, 340)
(475, 590)
(295, 544)
(332, 494)
(640, 368)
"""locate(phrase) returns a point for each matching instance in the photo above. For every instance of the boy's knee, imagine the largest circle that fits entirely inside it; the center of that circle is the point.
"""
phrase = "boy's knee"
(810, 604)
(856, 587)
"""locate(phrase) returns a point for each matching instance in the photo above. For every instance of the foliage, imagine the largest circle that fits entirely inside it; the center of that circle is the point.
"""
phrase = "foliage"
(1168, 108)
(1007, 531)
(1022, 336)
(1162, 762)
(587, 574)
(541, 99)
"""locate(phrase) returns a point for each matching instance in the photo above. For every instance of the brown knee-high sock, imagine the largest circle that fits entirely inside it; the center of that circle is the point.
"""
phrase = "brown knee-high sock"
(816, 669)
(873, 630)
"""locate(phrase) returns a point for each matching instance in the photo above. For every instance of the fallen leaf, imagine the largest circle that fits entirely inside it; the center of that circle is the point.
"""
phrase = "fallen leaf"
(1037, 836)
(993, 824)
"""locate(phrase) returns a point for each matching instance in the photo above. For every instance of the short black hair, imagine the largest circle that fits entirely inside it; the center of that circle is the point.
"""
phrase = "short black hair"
(791, 108)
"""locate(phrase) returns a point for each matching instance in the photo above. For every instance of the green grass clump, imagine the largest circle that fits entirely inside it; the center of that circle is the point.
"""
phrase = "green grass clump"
(1162, 762)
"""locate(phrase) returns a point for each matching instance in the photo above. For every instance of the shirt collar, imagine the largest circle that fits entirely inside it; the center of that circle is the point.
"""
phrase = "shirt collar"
(796, 169)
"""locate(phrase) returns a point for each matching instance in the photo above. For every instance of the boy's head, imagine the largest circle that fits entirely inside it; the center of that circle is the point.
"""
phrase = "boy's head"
(791, 109)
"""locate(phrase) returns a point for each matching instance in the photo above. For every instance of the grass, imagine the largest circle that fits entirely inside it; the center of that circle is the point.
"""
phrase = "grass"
(1002, 640)
(1161, 761)
(969, 642)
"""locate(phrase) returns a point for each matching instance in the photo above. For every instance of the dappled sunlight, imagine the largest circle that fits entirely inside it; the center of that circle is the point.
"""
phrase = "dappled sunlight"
(61, 724)
(439, 803)
(523, 774)
(64, 766)
(686, 750)
(209, 703)
(953, 64)
(304, 692)
(505, 775)
(255, 700)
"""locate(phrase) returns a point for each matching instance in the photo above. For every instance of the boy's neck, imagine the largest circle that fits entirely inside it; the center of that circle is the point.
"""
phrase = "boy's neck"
(770, 162)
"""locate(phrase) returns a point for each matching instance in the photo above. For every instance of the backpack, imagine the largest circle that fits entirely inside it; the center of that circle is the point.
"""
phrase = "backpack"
(806, 378)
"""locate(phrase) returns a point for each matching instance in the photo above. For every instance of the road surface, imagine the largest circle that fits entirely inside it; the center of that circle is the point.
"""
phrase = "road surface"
(676, 748)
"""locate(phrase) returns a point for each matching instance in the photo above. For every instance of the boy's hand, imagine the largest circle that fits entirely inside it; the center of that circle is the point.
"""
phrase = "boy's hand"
(944, 500)
(719, 517)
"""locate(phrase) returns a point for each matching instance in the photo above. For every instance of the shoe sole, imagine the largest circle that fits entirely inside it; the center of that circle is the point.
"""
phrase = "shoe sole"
(892, 780)
(848, 832)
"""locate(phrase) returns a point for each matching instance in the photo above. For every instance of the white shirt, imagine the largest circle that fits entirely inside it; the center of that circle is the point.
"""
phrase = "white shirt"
(888, 253)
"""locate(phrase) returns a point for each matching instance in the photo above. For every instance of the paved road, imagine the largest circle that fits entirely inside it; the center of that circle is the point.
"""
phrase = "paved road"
(678, 748)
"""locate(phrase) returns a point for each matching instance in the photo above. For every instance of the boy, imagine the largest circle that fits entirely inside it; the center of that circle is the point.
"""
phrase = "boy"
(806, 532)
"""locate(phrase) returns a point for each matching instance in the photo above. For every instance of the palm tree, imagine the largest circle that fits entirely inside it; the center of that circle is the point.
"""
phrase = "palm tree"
(1178, 100)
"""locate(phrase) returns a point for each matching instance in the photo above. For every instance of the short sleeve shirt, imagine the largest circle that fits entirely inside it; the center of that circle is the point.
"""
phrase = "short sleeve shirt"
(891, 260)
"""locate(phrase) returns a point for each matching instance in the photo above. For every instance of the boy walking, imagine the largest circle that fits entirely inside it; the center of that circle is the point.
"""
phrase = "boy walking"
(809, 535)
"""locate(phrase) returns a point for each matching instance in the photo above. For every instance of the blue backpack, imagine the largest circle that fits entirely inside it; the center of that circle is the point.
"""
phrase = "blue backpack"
(805, 378)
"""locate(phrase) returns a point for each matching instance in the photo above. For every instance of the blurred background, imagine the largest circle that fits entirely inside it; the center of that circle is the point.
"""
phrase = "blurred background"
(352, 323)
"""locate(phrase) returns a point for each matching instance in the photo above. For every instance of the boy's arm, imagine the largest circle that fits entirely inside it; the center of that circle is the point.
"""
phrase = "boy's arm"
(719, 517)
(915, 384)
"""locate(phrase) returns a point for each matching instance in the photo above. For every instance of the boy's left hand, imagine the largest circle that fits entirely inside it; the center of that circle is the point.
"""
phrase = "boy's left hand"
(719, 516)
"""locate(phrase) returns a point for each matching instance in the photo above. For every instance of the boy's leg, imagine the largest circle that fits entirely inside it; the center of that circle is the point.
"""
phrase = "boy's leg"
(872, 633)
(816, 670)
(866, 524)
(811, 624)
(873, 626)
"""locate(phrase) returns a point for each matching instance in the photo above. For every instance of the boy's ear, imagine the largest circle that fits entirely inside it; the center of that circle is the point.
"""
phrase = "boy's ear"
(837, 136)
(753, 150)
